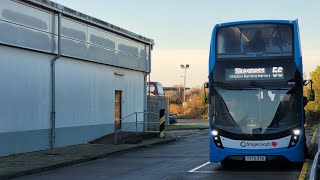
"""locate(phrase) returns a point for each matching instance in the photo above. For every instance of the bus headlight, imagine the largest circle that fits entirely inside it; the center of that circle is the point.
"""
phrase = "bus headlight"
(296, 132)
(214, 132)
(294, 137)
(216, 138)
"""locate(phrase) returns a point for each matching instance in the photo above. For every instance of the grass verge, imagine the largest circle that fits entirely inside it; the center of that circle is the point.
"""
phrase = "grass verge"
(181, 127)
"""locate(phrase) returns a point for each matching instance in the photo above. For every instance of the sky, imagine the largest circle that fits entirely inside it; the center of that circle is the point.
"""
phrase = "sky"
(181, 29)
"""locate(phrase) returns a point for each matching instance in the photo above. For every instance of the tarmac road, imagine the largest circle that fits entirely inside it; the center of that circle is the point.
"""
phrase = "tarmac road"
(183, 159)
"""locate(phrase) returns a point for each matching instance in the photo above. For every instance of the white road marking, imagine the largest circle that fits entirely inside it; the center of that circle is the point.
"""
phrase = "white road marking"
(244, 172)
(192, 170)
(205, 172)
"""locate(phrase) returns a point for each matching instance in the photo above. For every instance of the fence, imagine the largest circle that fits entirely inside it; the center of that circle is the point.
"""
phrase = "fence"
(155, 103)
(136, 124)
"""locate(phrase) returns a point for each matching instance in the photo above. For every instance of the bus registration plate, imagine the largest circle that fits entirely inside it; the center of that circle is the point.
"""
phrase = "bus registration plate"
(255, 158)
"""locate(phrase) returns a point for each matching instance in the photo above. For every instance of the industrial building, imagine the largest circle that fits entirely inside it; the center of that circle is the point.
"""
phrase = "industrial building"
(66, 78)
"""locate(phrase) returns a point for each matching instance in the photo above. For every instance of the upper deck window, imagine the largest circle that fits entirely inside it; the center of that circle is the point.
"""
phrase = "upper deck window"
(252, 40)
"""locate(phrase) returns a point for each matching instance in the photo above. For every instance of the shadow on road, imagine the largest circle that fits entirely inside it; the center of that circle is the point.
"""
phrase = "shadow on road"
(273, 166)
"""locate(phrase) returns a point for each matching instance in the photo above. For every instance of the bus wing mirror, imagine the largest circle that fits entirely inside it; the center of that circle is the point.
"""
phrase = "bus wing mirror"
(310, 92)
(206, 85)
(205, 97)
(311, 95)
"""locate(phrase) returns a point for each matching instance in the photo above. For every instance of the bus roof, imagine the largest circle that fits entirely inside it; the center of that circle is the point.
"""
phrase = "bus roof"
(257, 21)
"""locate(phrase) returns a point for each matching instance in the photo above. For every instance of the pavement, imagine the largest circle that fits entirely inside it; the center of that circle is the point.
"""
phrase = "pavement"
(27, 163)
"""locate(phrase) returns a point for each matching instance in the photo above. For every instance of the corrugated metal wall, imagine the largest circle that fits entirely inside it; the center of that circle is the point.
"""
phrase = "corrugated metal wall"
(85, 81)
(30, 27)
(85, 99)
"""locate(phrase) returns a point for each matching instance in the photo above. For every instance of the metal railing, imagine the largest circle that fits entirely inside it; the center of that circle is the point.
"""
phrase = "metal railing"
(136, 124)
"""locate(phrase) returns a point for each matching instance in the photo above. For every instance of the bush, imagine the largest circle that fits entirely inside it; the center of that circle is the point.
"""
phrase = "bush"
(175, 109)
(194, 107)
(312, 119)
(313, 107)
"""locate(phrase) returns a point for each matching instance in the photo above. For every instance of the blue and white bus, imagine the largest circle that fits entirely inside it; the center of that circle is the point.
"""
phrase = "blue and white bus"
(256, 92)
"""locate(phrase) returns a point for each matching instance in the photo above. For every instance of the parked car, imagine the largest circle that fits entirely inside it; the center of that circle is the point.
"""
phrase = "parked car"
(172, 118)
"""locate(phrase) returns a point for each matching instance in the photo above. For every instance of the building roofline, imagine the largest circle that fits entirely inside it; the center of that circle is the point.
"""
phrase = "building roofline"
(46, 4)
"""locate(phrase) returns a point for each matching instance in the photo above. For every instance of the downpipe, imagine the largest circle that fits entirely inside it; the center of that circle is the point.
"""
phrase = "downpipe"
(145, 99)
(53, 88)
(148, 115)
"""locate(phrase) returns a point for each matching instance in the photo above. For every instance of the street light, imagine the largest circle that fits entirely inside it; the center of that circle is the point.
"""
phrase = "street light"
(180, 87)
(185, 67)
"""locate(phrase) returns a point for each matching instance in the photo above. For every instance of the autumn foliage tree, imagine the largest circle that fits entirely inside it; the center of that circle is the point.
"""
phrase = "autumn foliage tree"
(193, 107)
(313, 107)
(175, 102)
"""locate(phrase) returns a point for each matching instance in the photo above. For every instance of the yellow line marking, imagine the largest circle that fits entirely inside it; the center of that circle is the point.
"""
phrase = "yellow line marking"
(304, 169)
(306, 163)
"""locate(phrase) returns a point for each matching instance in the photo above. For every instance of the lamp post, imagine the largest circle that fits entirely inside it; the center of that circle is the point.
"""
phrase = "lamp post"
(185, 67)
(180, 84)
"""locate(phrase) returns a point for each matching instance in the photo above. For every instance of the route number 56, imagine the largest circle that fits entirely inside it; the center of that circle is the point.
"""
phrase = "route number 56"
(277, 71)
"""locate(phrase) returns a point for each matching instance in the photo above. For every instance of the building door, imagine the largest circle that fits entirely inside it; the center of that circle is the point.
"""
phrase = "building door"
(117, 109)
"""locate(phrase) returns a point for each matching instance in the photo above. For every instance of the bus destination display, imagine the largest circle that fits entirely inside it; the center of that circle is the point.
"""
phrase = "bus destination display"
(268, 73)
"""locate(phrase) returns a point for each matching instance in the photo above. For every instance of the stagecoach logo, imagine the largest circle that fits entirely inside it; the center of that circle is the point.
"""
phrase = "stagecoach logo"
(258, 144)
(243, 144)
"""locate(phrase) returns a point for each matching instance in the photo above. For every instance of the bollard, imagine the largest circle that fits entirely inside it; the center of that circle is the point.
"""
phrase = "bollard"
(162, 120)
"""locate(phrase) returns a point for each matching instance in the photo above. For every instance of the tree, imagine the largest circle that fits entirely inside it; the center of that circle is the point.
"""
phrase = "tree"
(194, 107)
(175, 109)
(313, 108)
(174, 97)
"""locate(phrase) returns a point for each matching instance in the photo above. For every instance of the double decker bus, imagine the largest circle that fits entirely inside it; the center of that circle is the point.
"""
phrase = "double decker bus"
(256, 92)
(156, 89)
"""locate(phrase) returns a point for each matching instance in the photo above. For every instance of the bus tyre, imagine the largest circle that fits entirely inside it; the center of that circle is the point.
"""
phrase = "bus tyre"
(227, 164)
